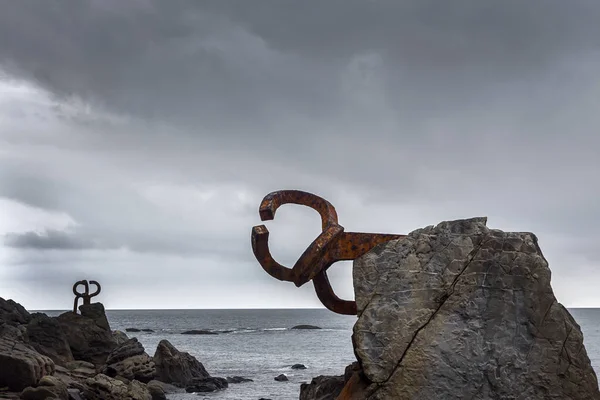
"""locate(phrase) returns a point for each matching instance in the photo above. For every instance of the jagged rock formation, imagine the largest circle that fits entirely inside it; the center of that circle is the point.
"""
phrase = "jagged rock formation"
(177, 367)
(130, 361)
(461, 311)
(90, 361)
(46, 336)
(21, 365)
(88, 340)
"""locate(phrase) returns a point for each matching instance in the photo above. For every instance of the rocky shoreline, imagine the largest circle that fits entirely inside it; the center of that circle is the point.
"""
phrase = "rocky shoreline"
(78, 357)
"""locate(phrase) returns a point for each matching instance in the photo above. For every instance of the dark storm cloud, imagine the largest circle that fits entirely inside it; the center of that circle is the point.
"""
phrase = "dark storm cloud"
(49, 240)
(227, 64)
(162, 124)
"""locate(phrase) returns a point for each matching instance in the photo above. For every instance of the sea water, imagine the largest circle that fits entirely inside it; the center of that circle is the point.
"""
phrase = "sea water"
(261, 345)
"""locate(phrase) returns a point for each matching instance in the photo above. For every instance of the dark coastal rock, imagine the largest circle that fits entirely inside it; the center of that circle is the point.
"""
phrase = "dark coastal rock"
(47, 387)
(75, 394)
(130, 361)
(47, 337)
(462, 311)
(238, 379)
(130, 348)
(322, 388)
(165, 387)
(332, 387)
(209, 384)
(305, 327)
(281, 378)
(88, 340)
(21, 366)
(13, 332)
(199, 332)
(298, 366)
(156, 390)
(96, 313)
(13, 313)
(132, 330)
(176, 367)
(120, 337)
(102, 387)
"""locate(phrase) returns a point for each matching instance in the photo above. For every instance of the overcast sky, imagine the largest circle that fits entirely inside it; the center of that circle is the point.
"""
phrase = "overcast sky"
(138, 138)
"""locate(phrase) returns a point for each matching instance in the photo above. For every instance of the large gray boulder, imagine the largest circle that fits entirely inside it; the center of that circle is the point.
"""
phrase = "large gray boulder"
(130, 361)
(47, 337)
(102, 387)
(95, 312)
(21, 366)
(460, 311)
(177, 367)
(13, 313)
(88, 340)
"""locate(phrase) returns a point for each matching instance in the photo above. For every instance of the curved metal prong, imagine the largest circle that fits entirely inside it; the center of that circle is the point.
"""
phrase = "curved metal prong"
(274, 200)
(329, 298)
(99, 288)
(260, 248)
(85, 284)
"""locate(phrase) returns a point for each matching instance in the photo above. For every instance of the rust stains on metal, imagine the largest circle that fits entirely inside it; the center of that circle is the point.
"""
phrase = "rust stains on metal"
(86, 296)
(332, 245)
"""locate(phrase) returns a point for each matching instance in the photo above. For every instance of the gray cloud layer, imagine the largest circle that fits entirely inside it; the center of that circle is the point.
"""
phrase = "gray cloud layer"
(164, 124)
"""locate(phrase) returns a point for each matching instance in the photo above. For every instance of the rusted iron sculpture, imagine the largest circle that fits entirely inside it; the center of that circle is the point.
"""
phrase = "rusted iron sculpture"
(332, 245)
(86, 295)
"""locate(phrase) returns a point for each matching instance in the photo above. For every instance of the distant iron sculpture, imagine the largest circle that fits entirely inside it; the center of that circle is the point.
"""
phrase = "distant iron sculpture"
(332, 245)
(86, 296)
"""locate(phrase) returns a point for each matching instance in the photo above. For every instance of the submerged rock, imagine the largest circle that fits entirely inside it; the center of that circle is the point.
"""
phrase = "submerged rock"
(306, 327)
(209, 384)
(281, 378)
(462, 311)
(199, 332)
(298, 366)
(238, 379)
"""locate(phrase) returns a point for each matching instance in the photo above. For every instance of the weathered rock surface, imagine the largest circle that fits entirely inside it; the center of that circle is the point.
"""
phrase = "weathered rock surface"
(21, 366)
(281, 378)
(130, 361)
(120, 337)
(95, 312)
(177, 367)
(46, 336)
(102, 387)
(461, 311)
(88, 341)
(330, 387)
(13, 313)
(322, 388)
(156, 390)
(47, 387)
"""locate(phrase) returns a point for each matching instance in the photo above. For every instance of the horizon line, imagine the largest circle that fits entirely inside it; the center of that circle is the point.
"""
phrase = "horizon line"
(237, 309)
